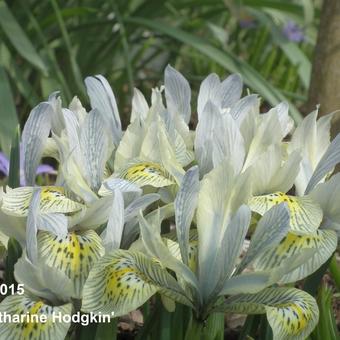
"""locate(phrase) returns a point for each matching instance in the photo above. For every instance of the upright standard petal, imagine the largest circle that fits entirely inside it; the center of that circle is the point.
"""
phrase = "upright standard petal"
(103, 99)
(34, 136)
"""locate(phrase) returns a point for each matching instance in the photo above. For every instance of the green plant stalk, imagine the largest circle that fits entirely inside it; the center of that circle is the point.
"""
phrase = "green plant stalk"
(107, 331)
(335, 271)
(211, 329)
(125, 45)
(14, 163)
(50, 53)
(313, 281)
(14, 249)
(75, 69)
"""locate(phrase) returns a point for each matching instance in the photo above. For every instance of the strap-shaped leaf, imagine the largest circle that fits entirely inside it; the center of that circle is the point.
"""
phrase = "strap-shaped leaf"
(21, 305)
(123, 280)
(270, 230)
(52, 200)
(328, 161)
(291, 313)
(305, 214)
(185, 205)
(147, 173)
(74, 254)
(34, 135)
(103, 99)
(177, 93)
(94, 146)
(323, 241)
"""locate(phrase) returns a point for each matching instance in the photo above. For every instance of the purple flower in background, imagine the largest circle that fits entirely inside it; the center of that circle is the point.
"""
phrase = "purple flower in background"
(293, 32)
(42, 169)
(247, 22)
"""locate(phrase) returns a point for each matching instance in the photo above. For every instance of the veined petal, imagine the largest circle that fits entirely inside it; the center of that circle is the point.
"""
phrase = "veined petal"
(291, 313)
(328, 196)
(22, 305)
(185, 205)
(147, 173)
(94, 148)
(172, 243)
(140, 107)
(177, 93)
(123, 280)
(112, 183)
(103, 99)
(323, 241)
(34, 135)
(305, 214)
(52, 200)
(74, 254)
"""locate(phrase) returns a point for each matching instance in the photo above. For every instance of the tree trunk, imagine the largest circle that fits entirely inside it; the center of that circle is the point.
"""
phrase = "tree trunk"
(325, 81)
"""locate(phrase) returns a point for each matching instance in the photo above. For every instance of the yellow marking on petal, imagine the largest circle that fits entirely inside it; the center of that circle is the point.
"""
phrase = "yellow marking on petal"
(117, 284)
(294, 318)
(52, 200)
(322, 241)
(147, 173)
(305, 214)
(74, 254)
(28, 312)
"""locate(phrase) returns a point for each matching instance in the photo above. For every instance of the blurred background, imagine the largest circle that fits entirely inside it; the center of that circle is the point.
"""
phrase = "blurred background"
(53, 45)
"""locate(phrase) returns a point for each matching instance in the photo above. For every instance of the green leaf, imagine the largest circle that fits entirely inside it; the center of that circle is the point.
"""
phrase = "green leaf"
(14, 165)
(327, 327)
(291, 313)
(14, 252)
(18, 38)
(8, 115)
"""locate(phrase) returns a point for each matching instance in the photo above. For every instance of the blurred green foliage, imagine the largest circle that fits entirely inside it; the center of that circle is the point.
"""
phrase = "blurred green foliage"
(52, 45)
